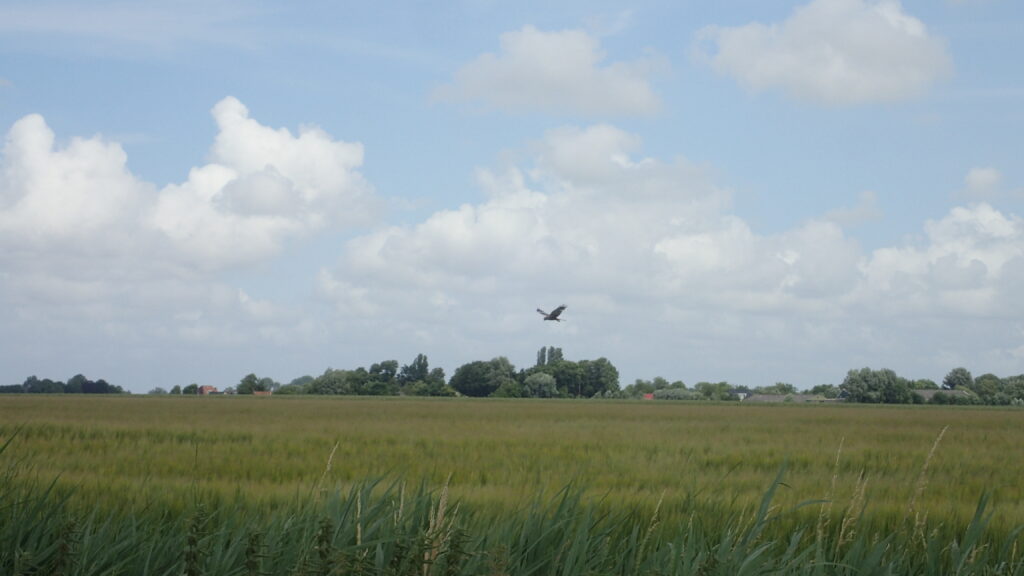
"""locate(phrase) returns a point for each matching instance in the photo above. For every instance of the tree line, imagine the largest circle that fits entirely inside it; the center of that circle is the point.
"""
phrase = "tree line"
(77, 384)
(958, 387)
(865, 385)
(553, 376)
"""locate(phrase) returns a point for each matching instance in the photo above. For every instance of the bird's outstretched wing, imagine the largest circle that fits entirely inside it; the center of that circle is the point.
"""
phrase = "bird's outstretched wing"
(542, 313)
(556, 312)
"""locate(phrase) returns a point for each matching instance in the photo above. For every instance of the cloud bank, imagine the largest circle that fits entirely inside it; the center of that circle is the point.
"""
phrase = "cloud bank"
(87, 243)
(657, 268)
(654, 263)
(558, 71)
(832, 52)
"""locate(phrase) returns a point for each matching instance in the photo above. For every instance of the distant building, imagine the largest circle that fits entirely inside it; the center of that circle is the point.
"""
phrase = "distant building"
(648, 396)
(929, 394)
(207, 390)
(779, 398)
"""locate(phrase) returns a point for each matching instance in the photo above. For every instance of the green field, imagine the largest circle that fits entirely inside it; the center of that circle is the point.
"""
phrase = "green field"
(712, 462)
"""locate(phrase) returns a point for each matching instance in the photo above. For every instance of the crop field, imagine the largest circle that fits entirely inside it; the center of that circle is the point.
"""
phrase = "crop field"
(869, 470)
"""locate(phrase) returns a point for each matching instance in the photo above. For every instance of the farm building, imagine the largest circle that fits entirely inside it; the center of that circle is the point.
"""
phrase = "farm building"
(928, 395)
(774, 398)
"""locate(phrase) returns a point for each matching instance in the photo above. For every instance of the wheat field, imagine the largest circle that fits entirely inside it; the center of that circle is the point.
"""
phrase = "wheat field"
(134, 452)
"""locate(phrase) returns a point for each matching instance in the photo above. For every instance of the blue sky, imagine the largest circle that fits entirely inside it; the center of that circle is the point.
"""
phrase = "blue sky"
(743, 191)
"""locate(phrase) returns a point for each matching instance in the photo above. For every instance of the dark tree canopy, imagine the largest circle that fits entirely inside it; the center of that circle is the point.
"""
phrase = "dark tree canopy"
(957, 378)
(480, 379)
(418, 370)
(876, 387)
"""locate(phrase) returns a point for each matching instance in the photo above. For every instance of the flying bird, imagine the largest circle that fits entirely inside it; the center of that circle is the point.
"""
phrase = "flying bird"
(554, 313)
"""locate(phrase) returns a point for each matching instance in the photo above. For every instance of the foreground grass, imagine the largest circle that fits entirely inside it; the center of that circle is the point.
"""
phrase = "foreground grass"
(135, 453)
(376, 530)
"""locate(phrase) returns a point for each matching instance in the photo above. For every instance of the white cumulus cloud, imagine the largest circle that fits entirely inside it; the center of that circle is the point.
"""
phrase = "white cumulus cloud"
(51, 195)
(91, 254)
(832, 52)
(560, 71)
(262, 187)
(654, 264)
(968, 266)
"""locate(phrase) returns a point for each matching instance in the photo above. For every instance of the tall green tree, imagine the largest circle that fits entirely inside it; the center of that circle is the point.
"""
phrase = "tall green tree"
(417, 370)
(781, 388)
(924, 384)
(481, 378)
(599, 377)
(957, 378)
(826, 390)
(714, 390)
(568, 375)
(540, 385)
(331, 382)
(876, 387)
(76, 384)
(248, 384)
(34, 385)
(988, 387)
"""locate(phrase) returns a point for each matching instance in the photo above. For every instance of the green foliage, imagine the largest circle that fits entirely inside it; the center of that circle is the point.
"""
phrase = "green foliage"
(481, 379)
(76, 384)
(987, 387)
(417, 370)
(677, 394)
(584, 379)
(780, 388)
(331, 382)
(417, 379)
(826, 390)
(509, 389)
(957, 378)
(384, 372)
(952, 399)
(599, 377)
(876, 387)
(568, 376)
(388, 530)
(540, 385)
(554, 355)
(707, 461)
(251, 383)
(640, 387)
(34, 385)
(547, 355)
(719, 391)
